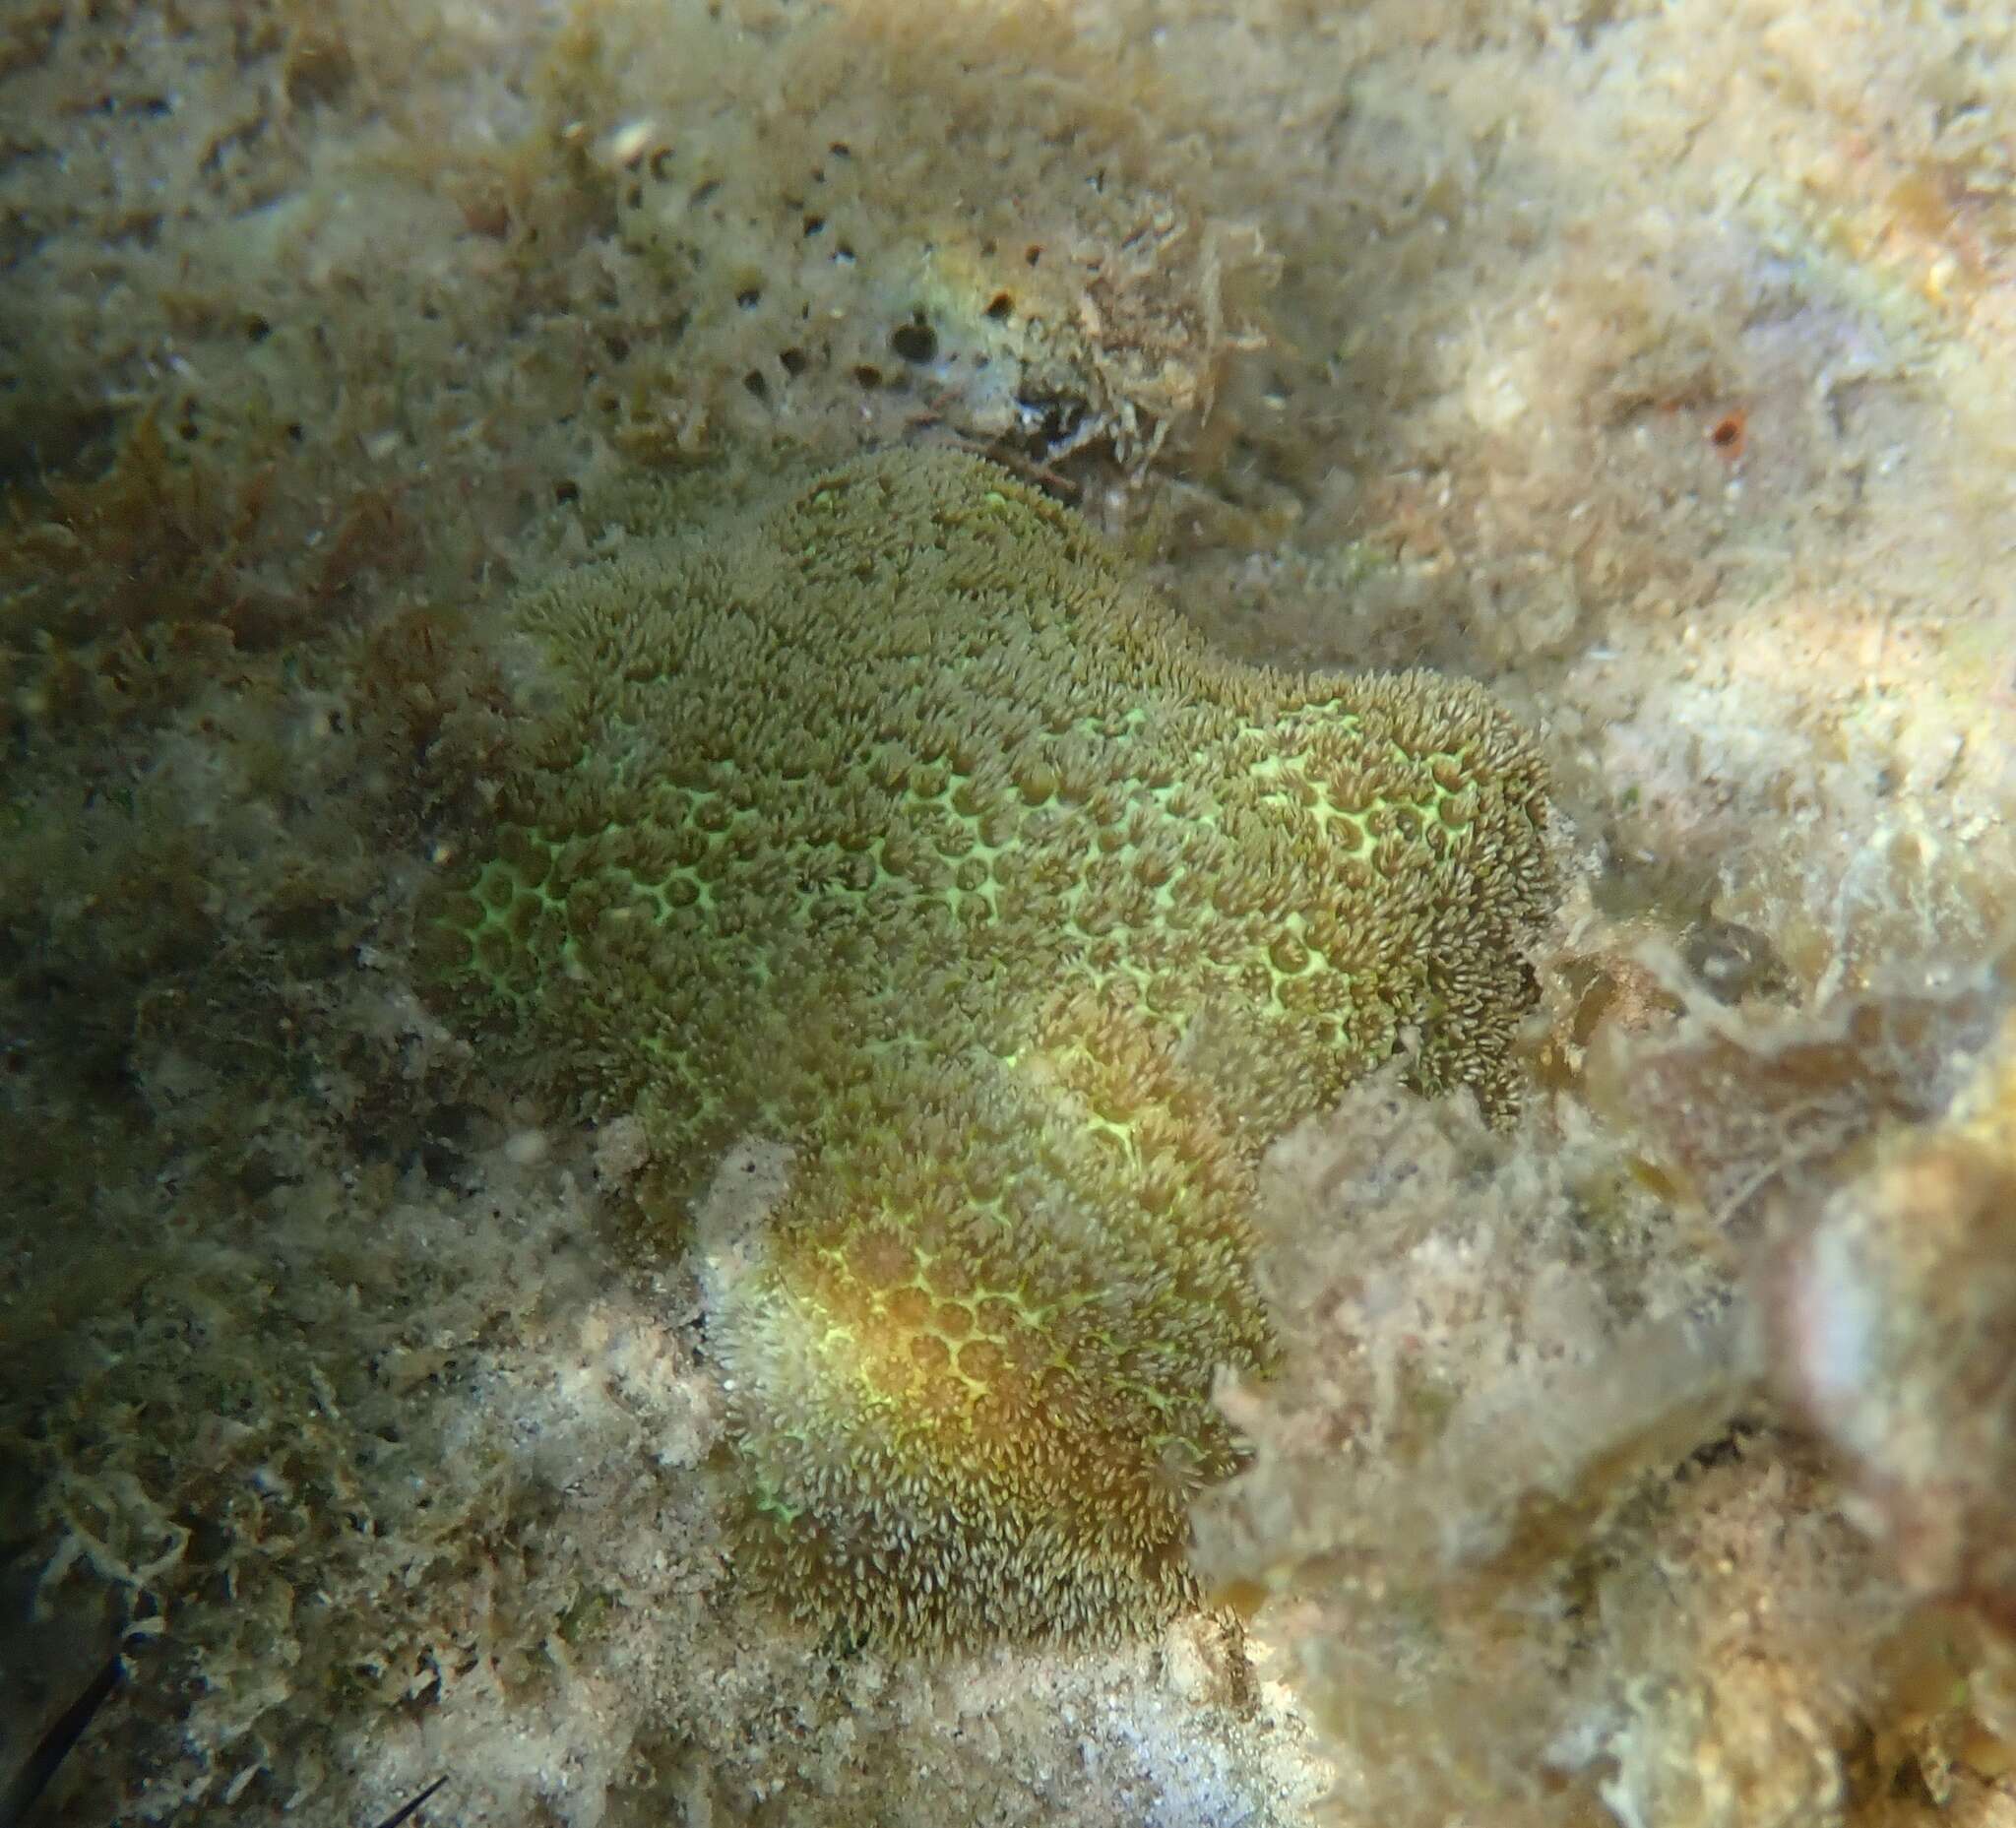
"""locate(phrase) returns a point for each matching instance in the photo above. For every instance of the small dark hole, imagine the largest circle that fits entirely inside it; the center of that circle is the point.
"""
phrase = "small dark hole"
(566, 490)
(999, 307)
(1032, 255)
(867, 375)
(915, 343)
(704, 193)
(258, 330)
(756, 384)
(794, 362)
(841, 150)
(844, 255)
(660, 163)
(749, 297)
(815, 225)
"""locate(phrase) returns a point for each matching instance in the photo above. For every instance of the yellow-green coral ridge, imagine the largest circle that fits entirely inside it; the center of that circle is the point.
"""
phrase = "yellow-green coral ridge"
(899, 823)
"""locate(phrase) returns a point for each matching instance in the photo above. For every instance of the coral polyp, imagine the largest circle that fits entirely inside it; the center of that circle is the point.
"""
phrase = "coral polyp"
(895, 820)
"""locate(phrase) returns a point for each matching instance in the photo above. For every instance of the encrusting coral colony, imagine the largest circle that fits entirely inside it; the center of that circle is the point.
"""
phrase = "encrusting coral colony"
(899, 821)
(1047, 910)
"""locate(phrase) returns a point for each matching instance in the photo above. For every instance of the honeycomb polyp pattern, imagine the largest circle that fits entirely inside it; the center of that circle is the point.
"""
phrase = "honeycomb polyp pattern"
(896, 821)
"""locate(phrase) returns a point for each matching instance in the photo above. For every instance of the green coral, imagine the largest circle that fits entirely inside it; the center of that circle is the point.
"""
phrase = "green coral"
(898, 821)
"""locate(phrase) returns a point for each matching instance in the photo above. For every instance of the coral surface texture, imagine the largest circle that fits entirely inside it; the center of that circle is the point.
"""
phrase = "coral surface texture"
(897, 823)
(1008, 913)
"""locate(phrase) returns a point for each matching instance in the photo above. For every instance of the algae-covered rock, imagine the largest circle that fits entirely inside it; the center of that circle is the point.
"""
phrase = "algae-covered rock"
(897, 823)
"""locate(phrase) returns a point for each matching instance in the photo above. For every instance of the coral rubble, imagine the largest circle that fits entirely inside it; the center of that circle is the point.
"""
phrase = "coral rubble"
(1548, 1511)
(1893, 1312)
(896, 220)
